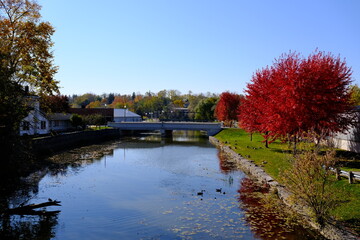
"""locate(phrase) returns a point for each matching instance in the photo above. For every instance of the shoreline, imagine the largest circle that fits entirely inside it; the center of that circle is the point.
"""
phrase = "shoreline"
(329, 230)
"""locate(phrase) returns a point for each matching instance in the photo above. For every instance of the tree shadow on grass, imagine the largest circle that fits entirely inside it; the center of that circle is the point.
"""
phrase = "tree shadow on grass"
(347, 158)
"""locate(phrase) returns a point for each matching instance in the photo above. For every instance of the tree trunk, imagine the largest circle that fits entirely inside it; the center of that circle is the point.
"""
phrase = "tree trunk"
(295, 145)
(266, 140)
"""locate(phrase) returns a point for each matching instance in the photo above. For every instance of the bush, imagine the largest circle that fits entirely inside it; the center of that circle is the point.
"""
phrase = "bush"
(310, 181)
(76, 120)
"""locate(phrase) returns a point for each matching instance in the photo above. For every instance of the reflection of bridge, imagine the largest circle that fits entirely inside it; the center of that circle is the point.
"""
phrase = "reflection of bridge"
(166, 128)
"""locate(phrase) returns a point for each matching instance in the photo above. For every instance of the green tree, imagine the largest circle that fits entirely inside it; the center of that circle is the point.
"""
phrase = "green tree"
(76, 120)
(193, 101)
(205, 109)
(94, 119)
(110, 98)
(355, 95)
(84, 100)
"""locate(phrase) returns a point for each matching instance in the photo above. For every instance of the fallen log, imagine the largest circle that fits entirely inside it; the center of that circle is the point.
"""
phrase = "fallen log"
(29, 209)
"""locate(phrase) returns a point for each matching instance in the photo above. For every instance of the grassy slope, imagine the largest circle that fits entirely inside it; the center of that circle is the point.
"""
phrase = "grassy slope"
(277, 157)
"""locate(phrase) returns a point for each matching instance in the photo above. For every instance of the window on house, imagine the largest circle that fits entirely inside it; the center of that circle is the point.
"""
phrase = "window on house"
(25, 125)
(43, 124)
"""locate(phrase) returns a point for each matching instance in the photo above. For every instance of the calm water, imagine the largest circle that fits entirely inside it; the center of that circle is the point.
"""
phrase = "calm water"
(146, 188)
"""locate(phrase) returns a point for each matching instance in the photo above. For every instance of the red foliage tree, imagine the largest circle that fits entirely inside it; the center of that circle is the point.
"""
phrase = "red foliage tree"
(298, 96)
(251, 112)
(227, 107)
(54, 103)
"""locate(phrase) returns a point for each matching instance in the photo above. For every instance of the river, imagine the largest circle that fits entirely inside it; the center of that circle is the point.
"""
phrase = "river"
(147, 188)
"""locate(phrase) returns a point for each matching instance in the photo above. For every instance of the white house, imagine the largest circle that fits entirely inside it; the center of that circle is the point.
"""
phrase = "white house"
(35, 122)
(124, 115)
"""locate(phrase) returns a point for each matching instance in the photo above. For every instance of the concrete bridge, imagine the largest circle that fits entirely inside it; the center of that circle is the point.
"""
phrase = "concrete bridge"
(166, 128)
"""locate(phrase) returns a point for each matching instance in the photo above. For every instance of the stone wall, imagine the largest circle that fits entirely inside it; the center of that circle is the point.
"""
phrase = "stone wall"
(51, 144)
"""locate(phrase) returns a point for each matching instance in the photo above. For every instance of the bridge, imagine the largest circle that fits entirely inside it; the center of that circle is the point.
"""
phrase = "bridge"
(166, 128)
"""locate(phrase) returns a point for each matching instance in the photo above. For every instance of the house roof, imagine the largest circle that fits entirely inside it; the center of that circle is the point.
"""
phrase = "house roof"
(124, 113)
(59, 116)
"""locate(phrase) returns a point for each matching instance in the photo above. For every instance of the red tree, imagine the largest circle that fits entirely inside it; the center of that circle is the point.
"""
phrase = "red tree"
(251, 112)
(298, 96)
(54, 103)
(227, 107)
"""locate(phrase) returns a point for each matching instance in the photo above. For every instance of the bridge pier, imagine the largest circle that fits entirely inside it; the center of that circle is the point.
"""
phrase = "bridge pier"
(166, 133)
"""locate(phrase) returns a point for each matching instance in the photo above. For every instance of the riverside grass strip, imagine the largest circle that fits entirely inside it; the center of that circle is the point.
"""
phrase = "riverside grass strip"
(276, 159)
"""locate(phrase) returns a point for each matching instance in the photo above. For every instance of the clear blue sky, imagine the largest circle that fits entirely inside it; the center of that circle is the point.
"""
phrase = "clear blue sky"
(198, 45)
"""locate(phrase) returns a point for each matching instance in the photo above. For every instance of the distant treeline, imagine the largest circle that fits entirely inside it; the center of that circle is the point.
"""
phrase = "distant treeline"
(165, 104)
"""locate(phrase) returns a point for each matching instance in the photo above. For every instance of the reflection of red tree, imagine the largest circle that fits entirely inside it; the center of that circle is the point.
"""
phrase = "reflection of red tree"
(249, 191)
(265, 222)
(226, 166)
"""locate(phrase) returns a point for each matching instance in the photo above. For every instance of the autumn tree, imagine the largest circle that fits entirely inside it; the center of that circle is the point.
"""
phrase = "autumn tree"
(299, 96)
(96, 104)
(26, 43)
(355, 95)
(251, 113)
(54, 103)
(311, 181)
(85, 99)
(227, 108)
(26, 60)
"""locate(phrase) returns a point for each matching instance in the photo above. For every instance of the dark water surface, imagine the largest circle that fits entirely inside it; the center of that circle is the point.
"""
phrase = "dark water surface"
(148, 188)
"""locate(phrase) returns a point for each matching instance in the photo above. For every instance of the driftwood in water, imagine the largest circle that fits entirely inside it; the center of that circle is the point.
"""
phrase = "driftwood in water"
(29, 209)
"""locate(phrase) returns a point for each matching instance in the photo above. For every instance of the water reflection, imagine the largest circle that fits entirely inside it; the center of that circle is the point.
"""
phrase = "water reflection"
(28, 227)
(226, 165)
(40, 225)
(266, 221)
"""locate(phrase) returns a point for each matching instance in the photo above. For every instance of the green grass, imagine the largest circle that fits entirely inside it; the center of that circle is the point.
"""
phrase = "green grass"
(93, 127)
(277, 157)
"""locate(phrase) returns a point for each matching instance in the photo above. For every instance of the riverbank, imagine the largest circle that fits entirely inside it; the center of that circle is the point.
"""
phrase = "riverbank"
(51, 144)
(330, 230)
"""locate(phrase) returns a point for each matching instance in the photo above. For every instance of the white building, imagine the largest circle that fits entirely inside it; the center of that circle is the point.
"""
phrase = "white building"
(124, 115)
(349, 140)
(35, 122)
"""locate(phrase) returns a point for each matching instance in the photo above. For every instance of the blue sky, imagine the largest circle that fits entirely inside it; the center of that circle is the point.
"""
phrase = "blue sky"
(191, 45)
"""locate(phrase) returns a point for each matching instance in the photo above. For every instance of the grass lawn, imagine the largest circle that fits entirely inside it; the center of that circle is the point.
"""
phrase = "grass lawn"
(276, 158)
(93, 127)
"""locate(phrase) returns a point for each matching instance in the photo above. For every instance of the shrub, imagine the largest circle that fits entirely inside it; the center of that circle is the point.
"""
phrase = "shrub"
(310, 181)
